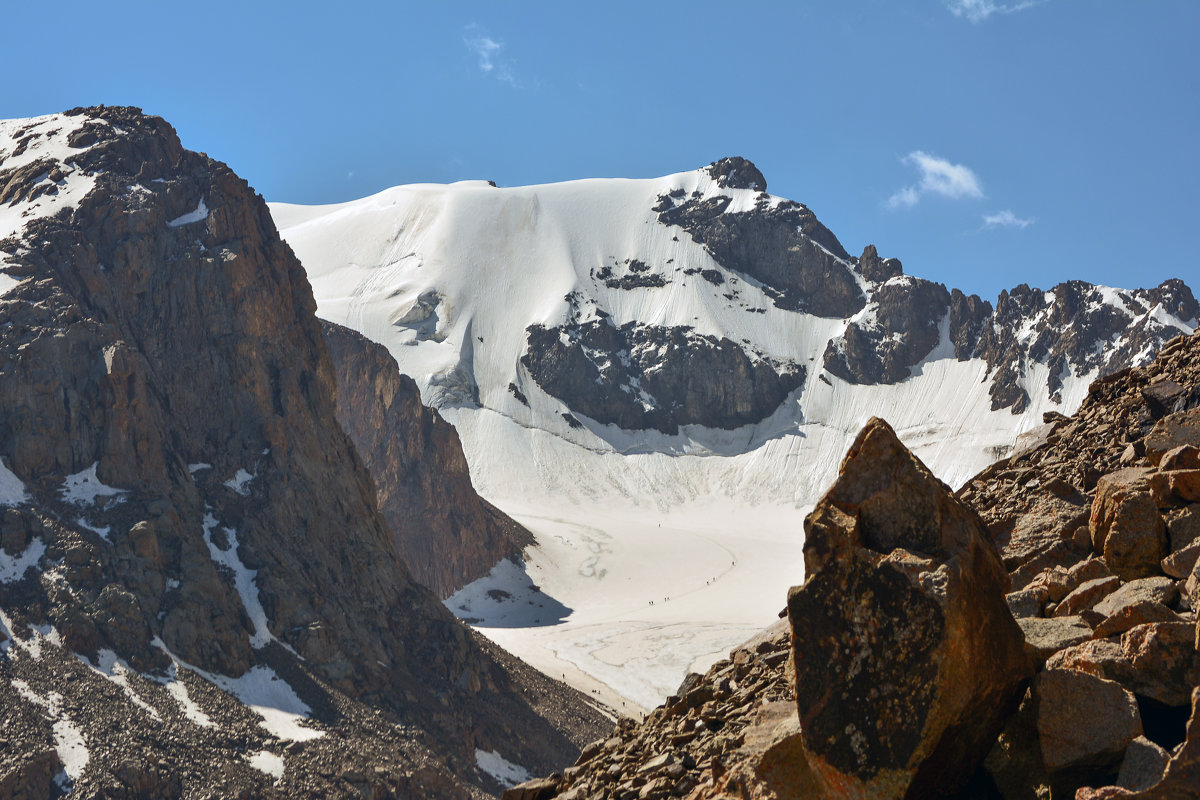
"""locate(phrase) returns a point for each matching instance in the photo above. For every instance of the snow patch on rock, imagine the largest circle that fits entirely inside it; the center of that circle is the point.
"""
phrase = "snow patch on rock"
(83, 488)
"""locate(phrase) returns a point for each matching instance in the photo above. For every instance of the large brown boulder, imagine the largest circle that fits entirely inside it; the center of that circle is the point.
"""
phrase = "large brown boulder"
(1083, 722)
(907, 659)
(1125, 525)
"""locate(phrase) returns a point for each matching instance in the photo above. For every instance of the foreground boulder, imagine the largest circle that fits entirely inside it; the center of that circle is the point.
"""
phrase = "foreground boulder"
(908, 660)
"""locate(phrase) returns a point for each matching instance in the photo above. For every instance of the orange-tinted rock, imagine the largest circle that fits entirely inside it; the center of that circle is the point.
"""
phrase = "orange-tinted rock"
(1125, 524)
(1086, 595)
(903, 678)
(1159, 589)
(1180, 781)
(1172, 431)
(1184, 457)
(1180, 563)
(1183, 526)
(1165, 662)
(1083, 721)
(1045, 637)
(1131, 616)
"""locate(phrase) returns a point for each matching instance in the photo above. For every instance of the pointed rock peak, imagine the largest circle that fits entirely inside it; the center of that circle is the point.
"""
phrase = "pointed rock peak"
(877, 269)
(736, 172)
(894, 500)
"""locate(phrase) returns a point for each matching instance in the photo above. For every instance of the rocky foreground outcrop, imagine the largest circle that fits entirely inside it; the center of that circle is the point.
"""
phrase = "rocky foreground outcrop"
(907, 658)
(446, 533)
(199, 596)
(1034, 635)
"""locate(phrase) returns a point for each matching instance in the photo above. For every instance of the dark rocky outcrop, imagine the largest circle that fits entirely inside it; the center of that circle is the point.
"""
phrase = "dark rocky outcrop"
(736, 172)
(162, 357)
(876, 269)
(801, 264)
(446, 533)
(1070, 327)
(643, 376)
(899, 329)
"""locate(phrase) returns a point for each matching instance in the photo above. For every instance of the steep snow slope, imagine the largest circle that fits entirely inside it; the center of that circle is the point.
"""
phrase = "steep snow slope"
(452, 278)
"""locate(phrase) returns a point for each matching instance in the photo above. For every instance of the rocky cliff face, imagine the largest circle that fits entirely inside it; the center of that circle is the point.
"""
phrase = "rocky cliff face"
(192, 550)
(918, 668)
(446, 533)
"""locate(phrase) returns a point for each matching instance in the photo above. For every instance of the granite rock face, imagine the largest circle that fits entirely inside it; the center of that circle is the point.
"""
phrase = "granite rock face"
(190, 513)
(446, 533)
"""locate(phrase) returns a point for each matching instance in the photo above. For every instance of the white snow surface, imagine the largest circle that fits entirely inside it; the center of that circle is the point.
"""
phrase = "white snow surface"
(201, 213)
(262, 691)
(505, 772)
(12, 489)
(270, 696)
(243, 580)
(174, 684)
(448, 278)
(239, 481)
(83, 488)
(69, 742)
(268, 763)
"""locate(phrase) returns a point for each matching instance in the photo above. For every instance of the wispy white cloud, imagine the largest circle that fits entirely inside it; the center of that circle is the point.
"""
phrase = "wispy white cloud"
(979, 10)
(938, 176)
(1005, 219)
(489, 53)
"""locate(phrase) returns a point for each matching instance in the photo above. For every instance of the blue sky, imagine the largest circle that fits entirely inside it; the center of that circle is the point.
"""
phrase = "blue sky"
(985, 143)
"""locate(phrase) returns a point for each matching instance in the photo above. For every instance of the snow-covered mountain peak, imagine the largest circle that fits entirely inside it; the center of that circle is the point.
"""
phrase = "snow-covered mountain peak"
(668, 371)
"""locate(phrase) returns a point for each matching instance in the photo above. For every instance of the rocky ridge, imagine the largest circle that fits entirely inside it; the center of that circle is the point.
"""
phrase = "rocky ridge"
(1096, 529)
(446, 533)
(649, 376)
(199, 594)
(893, 321)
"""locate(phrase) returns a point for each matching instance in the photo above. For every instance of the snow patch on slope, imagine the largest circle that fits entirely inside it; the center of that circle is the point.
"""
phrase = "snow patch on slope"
(83, 488)
(69, 741)
(506, 773)
(243, 580)
(200, 213)
(12, 489)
